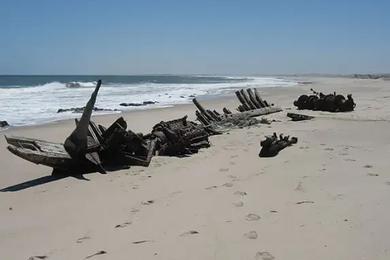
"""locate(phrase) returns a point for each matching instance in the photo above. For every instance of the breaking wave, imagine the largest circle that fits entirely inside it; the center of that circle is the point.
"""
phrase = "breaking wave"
(37, 104)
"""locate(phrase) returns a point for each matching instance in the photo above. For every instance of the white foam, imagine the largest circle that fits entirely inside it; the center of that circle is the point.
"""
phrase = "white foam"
(39, 104)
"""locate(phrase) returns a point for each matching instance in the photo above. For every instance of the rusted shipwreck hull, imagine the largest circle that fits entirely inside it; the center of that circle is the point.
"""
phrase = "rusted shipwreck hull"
(252, 105)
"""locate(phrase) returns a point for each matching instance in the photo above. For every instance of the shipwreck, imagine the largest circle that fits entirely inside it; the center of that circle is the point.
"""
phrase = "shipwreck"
(95, 148)
(251, 106)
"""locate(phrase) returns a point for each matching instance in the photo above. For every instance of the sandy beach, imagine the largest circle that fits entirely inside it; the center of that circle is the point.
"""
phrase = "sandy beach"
(325, 197)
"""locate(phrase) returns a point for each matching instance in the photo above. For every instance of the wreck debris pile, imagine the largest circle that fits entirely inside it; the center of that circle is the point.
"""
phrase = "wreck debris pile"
(179, 137)
(250, 100)
(252, 105)
(95, 148)
(272, 144)
(91, 147)
(121, 147)
(299, 117)
(322, 102)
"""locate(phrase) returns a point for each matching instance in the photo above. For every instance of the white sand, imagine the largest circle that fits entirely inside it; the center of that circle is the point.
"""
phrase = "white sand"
(224, 202)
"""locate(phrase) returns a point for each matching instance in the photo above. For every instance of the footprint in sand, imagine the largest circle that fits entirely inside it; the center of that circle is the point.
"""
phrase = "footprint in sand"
(148, 202)
(238, 204)
(264, 256)
(134, 210)
(240, 193)
(142, 241)
(300, 187)
(224, 169)
(251, 235)
(211, 187)
(101, 252)
(228, 185)
(135, 187)
(260, 173)
(372, 174)
(37, 257)
(388, 182)
(368, 166)
(172, 194)
(123, 225)
(232, 163)
(252, 217)
(188, 233)
(81, 239)
(329, 149)
(305, 202)
(234, 156)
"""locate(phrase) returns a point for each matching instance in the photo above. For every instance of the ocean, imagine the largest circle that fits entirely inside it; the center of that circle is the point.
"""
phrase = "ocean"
(31, 100)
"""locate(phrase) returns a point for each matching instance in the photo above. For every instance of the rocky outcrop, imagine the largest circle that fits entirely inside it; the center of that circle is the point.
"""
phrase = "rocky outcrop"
(145, 103)
(3, 124)
(371, 76)
(81, 109)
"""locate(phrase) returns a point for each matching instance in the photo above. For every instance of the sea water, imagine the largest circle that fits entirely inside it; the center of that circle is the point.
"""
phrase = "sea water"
(29, 100)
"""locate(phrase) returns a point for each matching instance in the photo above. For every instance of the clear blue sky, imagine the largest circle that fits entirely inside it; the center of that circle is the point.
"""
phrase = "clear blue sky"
(192, 37)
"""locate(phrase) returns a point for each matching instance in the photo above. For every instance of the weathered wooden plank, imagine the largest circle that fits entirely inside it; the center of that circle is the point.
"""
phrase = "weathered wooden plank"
(247, 100)
(259, 99)
(244, 106)
(202, 110)
(252, 97)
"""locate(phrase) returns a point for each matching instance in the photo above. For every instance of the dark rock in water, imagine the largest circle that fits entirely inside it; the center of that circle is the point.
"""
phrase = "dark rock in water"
(370, 76)
(149, 102)
(81, 109)
(4, 124)
(305, 82)
(131, 104)
(138, 104)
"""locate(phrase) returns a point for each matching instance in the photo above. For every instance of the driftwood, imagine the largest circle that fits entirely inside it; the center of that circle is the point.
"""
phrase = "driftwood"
(299, 117)
(272, 144)
(330, 103)
(252, 105)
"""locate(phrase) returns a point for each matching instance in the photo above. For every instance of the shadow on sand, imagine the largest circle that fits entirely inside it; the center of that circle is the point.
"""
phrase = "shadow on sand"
(39, 181)
(53, 177)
